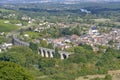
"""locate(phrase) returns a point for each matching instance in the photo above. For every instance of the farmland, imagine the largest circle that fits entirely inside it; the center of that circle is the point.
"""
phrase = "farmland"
(5, 26)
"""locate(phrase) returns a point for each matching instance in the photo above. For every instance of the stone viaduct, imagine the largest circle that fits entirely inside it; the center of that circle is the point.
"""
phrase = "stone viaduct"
(49, 53)
(17, 42)
(44, 52)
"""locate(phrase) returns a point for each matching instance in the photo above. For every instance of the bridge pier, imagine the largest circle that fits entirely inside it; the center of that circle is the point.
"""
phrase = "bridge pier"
(42, 53)
(51, 54)
(46, 54)
(64, 55)
(61, 56)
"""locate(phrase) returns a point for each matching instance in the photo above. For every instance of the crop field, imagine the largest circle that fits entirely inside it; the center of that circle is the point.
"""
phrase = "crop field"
(5, 26)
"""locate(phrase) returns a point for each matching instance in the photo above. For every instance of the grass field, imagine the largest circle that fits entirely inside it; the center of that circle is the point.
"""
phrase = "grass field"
(5, 10)
(32, 34)
(114, 73)
(101, 20)
(7, 27)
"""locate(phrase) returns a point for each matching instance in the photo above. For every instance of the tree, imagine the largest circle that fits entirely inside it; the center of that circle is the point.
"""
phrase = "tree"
(20, 55)
(34, 47)
(21, 31)
(77, 58)
(77, 30)
(50, 45)
(87, 47)
(57, 55)
(43, 43)
(13, 57)
(108, 77)
(45, 63)
(12, 71)
(78, 49)
(2, 39)
(111, 42)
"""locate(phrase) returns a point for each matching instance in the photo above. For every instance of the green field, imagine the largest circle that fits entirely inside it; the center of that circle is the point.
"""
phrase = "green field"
(7, 27)
(5, 10)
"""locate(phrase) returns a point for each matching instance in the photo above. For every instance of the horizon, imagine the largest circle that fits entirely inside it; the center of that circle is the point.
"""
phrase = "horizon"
(55, 1)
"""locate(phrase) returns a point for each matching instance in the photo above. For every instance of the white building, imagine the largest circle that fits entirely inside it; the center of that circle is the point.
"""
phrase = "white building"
(93, 30)
(0, 50)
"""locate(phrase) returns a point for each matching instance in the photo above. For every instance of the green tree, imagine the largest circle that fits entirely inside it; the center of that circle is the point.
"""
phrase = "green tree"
(13, 57)
(43, 43)
(21, 31)
(12, 71)
(111, 42)
(20, 55)
(2, 39)
(77, 30)
(34, 47)
(50, 45)
(108, 77)
(46, 63)
(57, 55)
(87, 47)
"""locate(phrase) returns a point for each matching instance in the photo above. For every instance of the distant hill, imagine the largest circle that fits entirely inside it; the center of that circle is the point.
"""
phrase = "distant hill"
(58, 1)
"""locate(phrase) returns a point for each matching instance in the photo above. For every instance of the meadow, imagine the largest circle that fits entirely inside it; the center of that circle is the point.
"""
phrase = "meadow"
(5, 26)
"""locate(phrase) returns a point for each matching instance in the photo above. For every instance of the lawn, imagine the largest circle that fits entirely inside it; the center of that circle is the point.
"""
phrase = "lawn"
(32, 34)
(7, 27)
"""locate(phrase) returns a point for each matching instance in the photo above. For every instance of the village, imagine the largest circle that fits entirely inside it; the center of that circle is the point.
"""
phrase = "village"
(91, 37)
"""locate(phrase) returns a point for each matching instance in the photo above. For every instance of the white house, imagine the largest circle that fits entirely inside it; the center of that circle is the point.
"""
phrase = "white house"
(0, 50)
(93, 30)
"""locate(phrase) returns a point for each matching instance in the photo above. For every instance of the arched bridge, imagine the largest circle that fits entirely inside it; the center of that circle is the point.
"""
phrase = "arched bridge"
(49, 53)
(17, 42)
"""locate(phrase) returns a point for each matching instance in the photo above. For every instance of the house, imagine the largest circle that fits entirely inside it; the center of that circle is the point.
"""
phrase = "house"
(2, 33)
(59, 40)
(6, 46)
(118, 46)
(67, 41)
(74, 38)
(93, 30)
(19, 24)
(0, 50)
(26, 35)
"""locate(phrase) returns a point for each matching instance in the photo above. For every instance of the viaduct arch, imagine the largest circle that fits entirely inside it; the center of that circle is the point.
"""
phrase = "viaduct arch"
(44, 52)
(17, 42)
(49, 53)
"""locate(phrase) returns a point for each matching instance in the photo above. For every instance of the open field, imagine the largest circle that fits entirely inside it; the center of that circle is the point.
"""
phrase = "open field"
(117, 23)
(101, 20)
(7, 27)
(5, 10)
(115, 76)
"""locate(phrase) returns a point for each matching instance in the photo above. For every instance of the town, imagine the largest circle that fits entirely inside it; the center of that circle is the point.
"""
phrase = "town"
(59, 40)
(92, 37)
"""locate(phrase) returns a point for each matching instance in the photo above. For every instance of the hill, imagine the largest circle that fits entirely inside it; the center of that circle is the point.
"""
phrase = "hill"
(57, 1)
